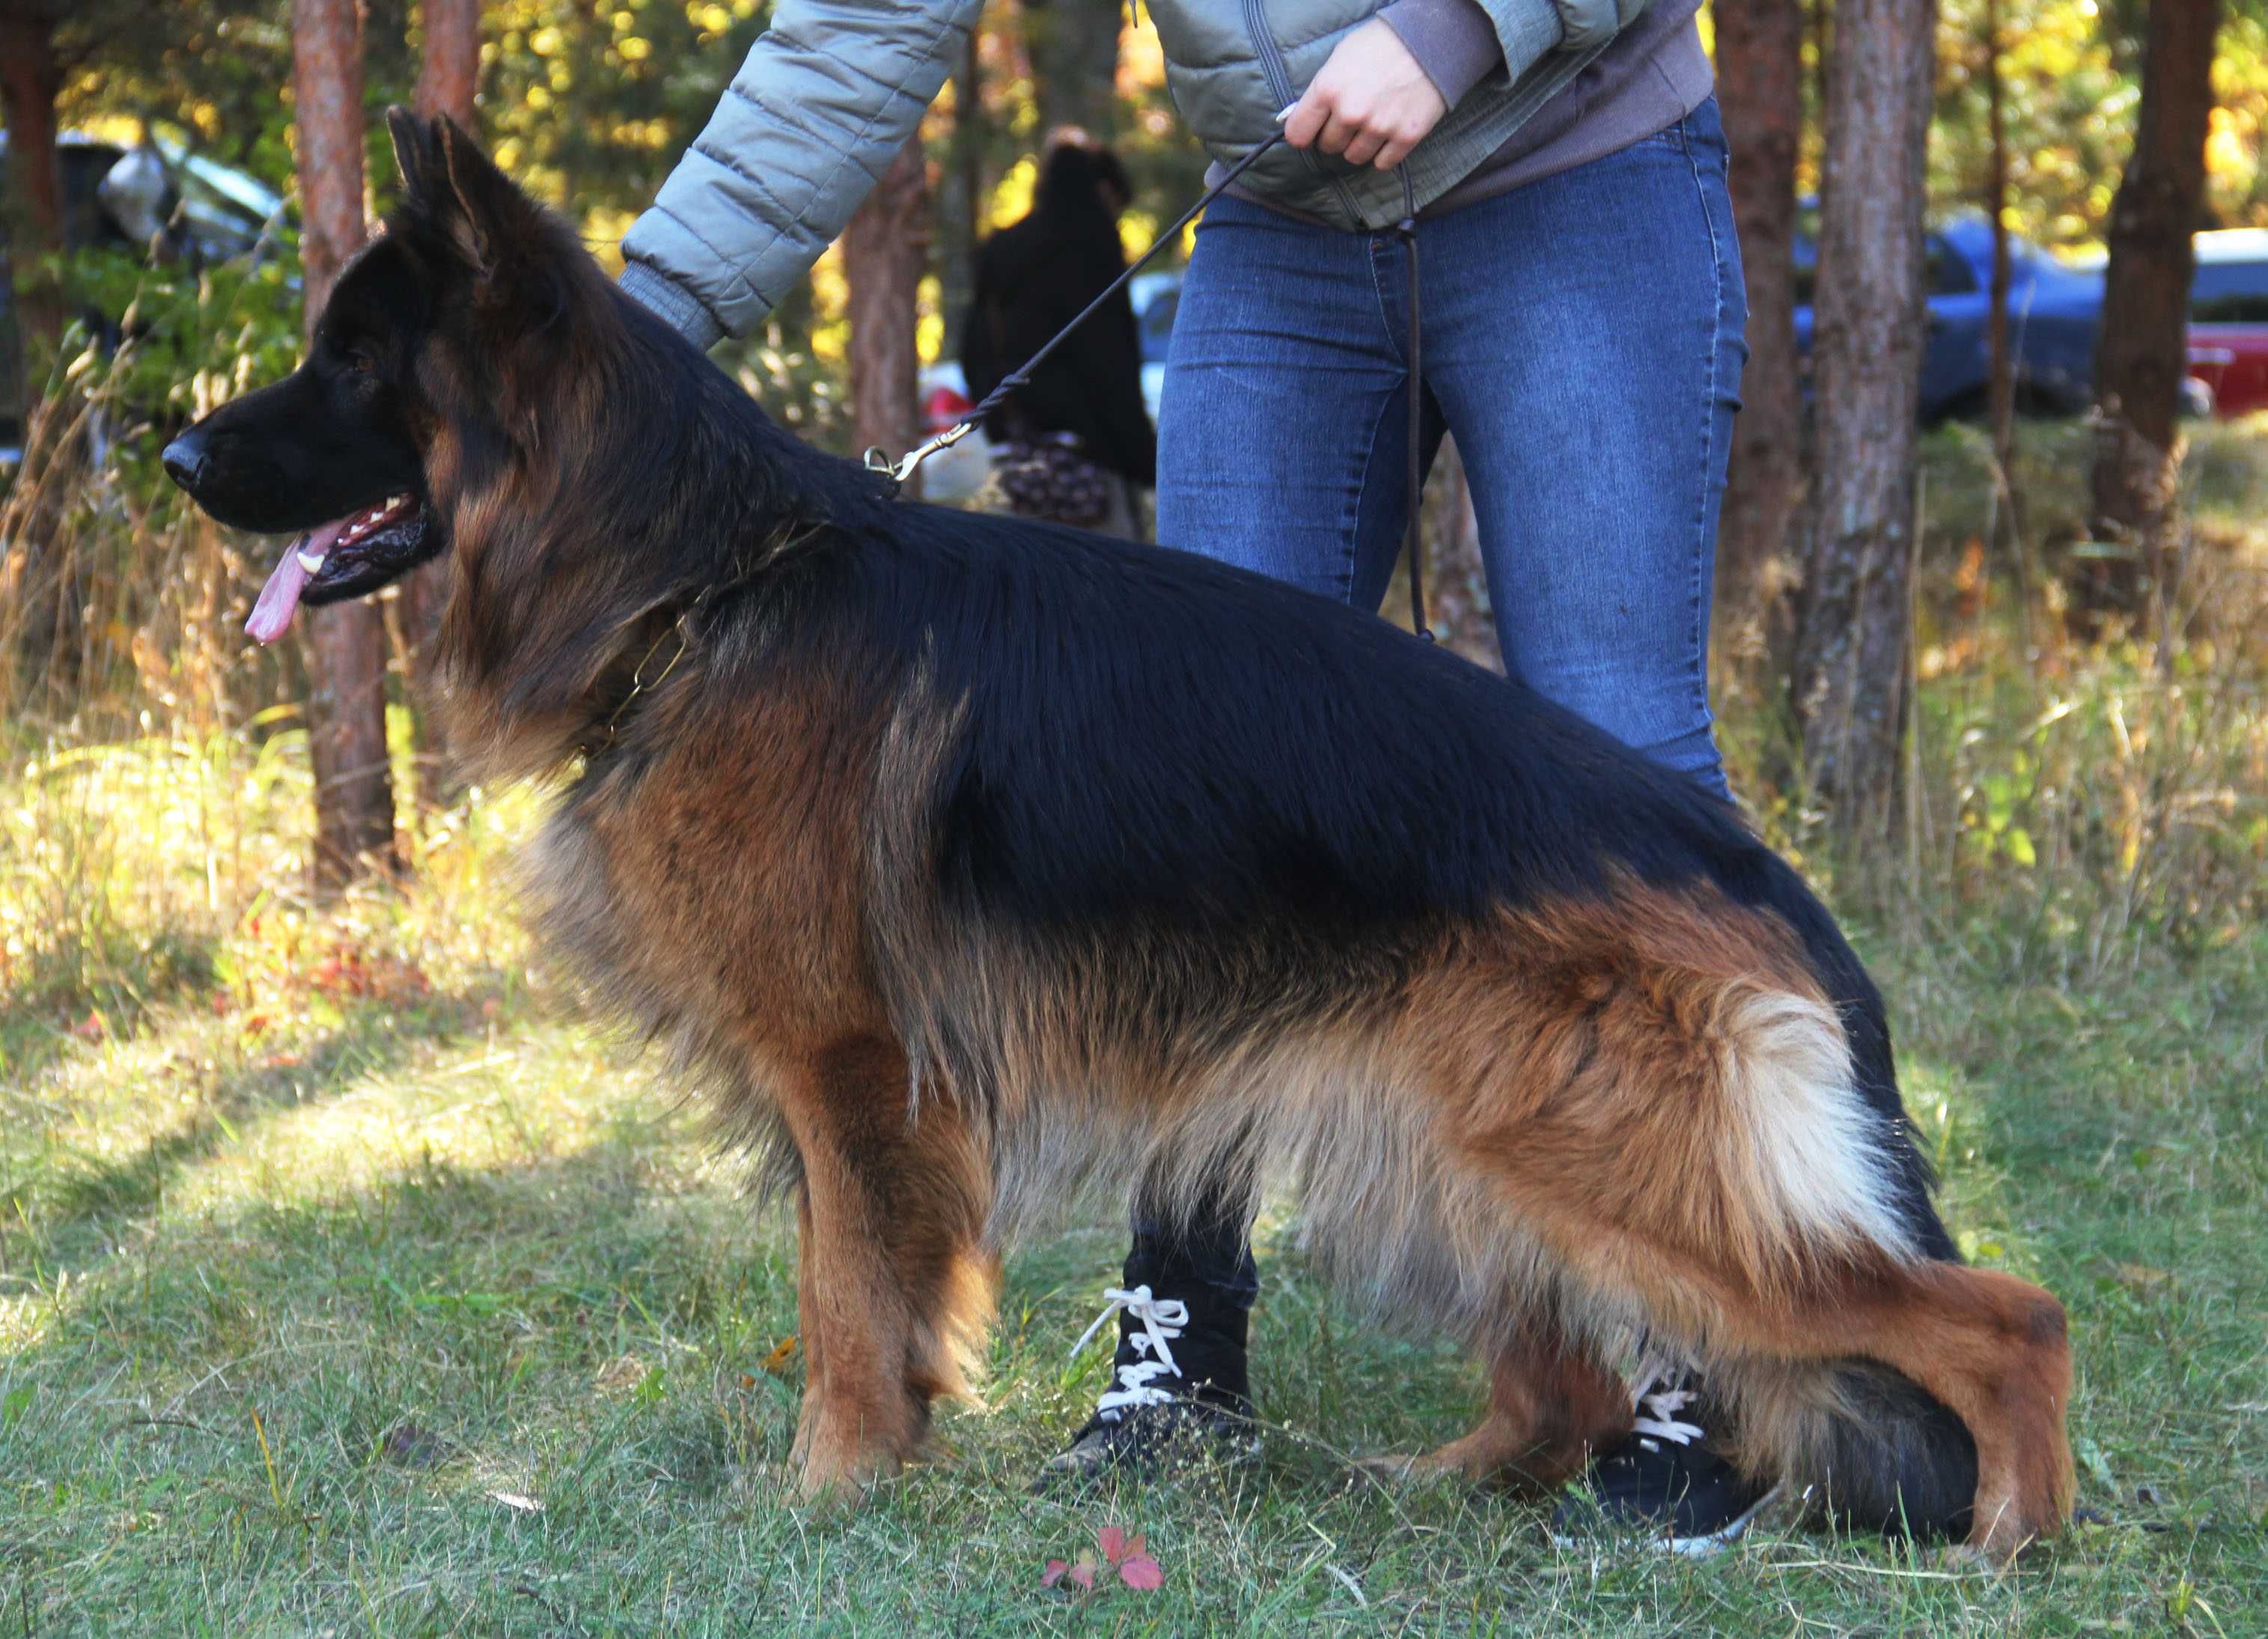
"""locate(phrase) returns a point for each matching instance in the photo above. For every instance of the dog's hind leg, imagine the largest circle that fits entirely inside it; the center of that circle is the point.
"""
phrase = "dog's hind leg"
(1551, 1404)
(1992, 1349)
(893, 1286)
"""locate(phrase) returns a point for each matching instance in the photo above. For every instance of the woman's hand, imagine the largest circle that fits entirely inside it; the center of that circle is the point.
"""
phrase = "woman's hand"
(1372, 102)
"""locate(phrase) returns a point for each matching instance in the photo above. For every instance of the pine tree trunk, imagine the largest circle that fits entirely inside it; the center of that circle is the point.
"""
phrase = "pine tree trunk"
(31, 79)
(1849, 687)
(2141, 358)
(885, 248)
(346, 642)
(2000, 361)
(448, 78)
(449, 71)
(1760, 91)
(965, 199)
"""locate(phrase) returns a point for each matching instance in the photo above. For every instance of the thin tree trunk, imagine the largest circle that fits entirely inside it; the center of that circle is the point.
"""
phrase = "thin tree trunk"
(346, 642)
(1074, 51)
(1760, 90)
(2000, 367)
(2000, 361)
(964, 203)
(449, 72)
(885, 247)
(1849, 690)
(2142, 358)
(448, 78)
(31, 79)
(47, 632)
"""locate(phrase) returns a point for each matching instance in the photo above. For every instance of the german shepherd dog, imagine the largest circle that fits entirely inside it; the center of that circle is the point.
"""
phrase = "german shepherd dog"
(968, 861)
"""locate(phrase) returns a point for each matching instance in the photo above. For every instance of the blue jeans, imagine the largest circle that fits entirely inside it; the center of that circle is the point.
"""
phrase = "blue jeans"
(1582, 342)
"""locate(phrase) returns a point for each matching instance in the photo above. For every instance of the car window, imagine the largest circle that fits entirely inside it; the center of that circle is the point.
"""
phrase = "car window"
(2229, 293)
(1949, 272)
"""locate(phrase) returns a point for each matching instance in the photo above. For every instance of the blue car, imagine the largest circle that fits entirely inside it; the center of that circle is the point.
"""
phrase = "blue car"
(2054, 312)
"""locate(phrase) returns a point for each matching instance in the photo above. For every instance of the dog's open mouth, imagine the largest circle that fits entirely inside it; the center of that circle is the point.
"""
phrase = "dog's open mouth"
(345, 558)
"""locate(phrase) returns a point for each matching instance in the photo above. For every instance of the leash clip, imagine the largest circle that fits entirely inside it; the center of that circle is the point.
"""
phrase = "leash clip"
(878, 459)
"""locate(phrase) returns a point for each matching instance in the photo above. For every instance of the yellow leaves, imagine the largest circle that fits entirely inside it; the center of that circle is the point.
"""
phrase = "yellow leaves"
(603, 227)
(2227, 153)
(830, 297)
(546, 41)
(634, 49)
(1012, 198)
(929, 320)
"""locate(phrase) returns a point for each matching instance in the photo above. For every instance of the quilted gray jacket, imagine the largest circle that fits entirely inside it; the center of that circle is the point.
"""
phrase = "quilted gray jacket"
(834, 89)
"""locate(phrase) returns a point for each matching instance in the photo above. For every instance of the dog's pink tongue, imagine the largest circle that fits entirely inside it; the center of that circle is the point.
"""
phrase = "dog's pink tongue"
(279, 599)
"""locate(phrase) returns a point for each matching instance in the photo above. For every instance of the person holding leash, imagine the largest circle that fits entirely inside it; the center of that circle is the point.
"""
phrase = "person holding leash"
(1582, 316)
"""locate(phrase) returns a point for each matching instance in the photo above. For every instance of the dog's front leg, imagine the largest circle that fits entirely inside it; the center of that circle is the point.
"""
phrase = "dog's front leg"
(892, 1283)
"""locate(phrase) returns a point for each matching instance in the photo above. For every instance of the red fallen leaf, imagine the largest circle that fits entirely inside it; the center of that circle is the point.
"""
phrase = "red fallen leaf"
(1112, 1541)
(1054, 1573)
(1141, 1573)
(93, 1027)
(1083, 1573)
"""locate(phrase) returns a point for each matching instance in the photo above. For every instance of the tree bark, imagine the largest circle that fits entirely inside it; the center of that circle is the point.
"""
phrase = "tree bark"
(885, 247)
(31, 79)
(1073, 46)
(346, 642)
(1760, 92)
(1849, 688)
(2142, 357)
(448, 80)
(448, 75)
(2000, 361)
(965, 199)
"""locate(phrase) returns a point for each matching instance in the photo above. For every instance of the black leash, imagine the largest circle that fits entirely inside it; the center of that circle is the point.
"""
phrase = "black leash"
(1413, 541)
(879, 461)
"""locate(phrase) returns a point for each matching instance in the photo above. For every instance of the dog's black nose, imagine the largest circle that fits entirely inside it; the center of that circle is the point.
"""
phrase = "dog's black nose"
(185, 460)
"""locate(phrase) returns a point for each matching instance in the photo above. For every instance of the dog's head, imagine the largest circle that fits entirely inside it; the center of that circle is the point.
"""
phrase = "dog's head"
(403, 403)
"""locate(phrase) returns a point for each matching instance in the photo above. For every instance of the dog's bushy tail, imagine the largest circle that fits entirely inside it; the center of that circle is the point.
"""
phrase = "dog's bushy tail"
(1856, 1442)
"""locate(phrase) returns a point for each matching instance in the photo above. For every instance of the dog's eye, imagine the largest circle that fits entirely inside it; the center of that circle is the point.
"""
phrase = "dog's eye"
(360, 362)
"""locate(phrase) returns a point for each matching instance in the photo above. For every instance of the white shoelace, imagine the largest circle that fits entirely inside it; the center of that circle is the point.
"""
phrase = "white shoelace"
(1162, 1318)
(1657, 1402)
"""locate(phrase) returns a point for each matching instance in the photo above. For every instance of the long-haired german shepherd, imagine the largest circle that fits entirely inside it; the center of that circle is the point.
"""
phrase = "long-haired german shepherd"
(970, 860)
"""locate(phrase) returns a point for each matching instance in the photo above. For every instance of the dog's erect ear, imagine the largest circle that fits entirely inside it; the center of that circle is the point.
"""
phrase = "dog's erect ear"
(455, 189)
(413, 154)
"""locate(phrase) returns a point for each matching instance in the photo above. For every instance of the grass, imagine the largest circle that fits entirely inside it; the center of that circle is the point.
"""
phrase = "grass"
(352, 1283)
(306, 1278)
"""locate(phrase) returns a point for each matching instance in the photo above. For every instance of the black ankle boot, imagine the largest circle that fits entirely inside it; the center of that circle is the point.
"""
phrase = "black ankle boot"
(1179, 1394)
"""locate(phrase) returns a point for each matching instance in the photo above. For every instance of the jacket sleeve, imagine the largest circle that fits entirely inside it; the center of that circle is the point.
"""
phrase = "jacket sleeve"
(827, 96)
(1531, 29)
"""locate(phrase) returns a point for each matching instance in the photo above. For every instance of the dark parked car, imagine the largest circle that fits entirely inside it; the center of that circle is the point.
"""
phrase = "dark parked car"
(2054, 311)
(157, 198)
